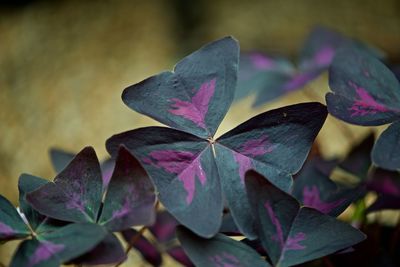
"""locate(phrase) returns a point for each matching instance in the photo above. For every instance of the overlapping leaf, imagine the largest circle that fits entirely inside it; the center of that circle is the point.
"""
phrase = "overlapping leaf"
(315, 189)
(163, 231)
(271, 76)
(218, 251)
(192, 172)
(77, 192)
(57, 247)
(292, 234)
(366, 92)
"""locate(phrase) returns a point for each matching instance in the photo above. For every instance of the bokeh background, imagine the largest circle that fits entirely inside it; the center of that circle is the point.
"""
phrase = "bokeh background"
(64, 64)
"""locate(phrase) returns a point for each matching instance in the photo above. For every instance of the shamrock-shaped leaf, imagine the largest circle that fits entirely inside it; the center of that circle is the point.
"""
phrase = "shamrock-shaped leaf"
(292, 234)
(272, 76)
(387, 185)
(76, 196)
(366, 92)
(76, 193)
(218, 251)
(193, 170)
(315, 189)
(54, 248)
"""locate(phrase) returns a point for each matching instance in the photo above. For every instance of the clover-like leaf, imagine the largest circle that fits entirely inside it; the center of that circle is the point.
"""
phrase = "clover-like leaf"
(272, 76)
(130, 196)
(315, 189)
(292, 234)
(164, 227)
(364, 90)
(196, 95)
(76, 193)
(12, 225)
(57, 247)
(195, 167)
(218, 251)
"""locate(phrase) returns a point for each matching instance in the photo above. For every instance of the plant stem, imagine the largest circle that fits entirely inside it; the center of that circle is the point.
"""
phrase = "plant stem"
(136, 237)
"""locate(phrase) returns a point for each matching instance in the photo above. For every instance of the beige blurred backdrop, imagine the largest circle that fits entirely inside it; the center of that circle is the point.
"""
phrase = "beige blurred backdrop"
(64, 64)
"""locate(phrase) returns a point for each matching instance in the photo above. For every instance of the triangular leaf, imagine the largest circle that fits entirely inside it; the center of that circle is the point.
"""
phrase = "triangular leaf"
(184, 172)
(218, 251)
(76, 193)
(130, 195)
(365, 91)
(11, 224)
(275, 143)
(315, 189)
(196, 96)
(57, 247)
(108, 251)
(292, 234)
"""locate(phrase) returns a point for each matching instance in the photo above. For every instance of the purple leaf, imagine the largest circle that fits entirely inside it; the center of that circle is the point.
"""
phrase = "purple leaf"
(57, 247)
(365, 91)
(183, 164)
(164, 227)
(11, 224)
(149, 252)
(315, 189)
(292, 234)
(219, 251)
(76, 193)
(180, 256)
(196, 95)
(276, 143)
(108, 251)
(130, 196)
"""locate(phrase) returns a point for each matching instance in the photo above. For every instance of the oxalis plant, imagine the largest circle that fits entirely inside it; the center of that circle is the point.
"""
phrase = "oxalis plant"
(207, 188)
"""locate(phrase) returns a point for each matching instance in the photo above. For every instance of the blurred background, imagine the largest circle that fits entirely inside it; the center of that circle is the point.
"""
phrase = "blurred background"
(64, 64)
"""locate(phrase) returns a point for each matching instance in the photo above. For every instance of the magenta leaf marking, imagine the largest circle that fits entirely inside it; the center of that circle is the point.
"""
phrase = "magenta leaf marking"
(75, 198)
(244, 164)
(181, 163)
(44, 251)
(225, 260)
(291, 243)
(366, 104)
(311, 198)
(6, 230)
(187, 177)
(195, 109)
(257, 147)
(261, 62)
(274, 220)
(324, 56)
